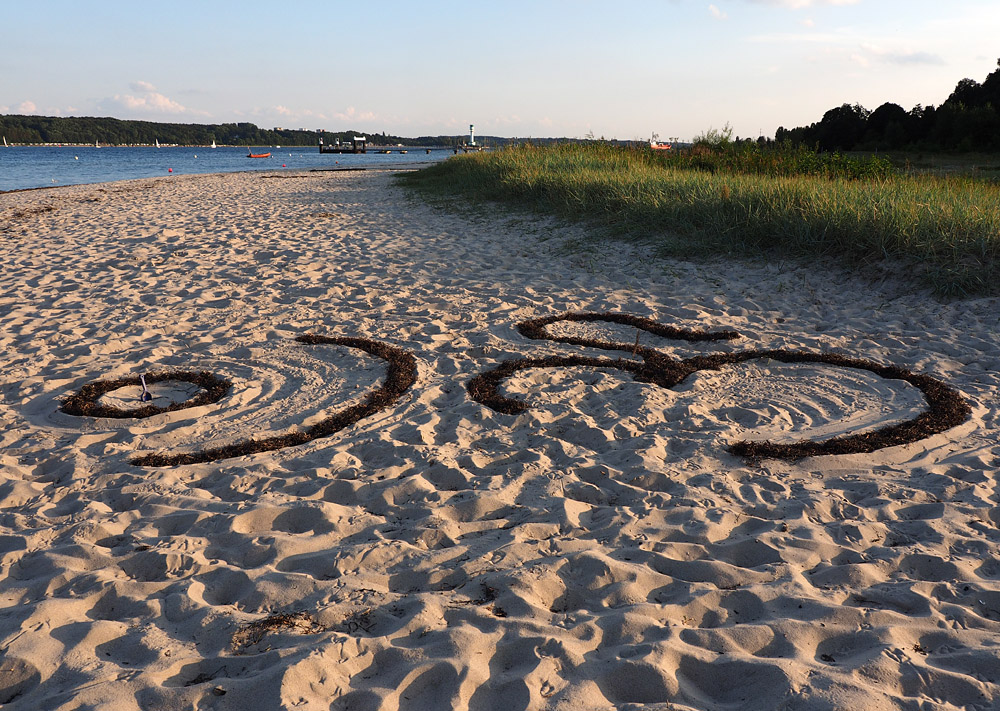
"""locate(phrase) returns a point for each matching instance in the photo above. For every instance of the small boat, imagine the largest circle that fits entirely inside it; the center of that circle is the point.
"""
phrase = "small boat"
(258, 155)
(213, 144)
(657, 146)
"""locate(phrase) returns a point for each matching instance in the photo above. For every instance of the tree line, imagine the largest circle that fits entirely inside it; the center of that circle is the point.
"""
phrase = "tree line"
(968, 120)
(19, 129)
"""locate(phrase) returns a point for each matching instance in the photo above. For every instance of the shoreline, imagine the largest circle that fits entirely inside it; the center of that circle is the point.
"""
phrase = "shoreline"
(52, 167)
(601, 549)
(389, 167)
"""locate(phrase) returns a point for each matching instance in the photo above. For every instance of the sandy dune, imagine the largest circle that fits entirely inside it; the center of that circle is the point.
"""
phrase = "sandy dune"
(602, 549)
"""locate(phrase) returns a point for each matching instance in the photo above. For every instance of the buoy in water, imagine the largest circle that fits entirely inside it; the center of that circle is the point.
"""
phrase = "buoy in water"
(76, 157)
(170, 170)
(283, 165)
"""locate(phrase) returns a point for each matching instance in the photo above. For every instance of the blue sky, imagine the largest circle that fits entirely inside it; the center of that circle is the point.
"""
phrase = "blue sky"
(541, 68)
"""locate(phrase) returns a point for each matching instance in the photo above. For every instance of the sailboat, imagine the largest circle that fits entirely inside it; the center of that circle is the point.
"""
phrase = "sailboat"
(96, 144)
(213, 144)
(5, 142)
(157, 142)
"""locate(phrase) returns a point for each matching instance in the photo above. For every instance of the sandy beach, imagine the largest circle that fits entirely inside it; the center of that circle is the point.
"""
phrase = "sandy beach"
(405, 546)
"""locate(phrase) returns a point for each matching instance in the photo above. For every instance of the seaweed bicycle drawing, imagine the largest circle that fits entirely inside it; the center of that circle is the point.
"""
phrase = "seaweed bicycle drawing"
(945, 409)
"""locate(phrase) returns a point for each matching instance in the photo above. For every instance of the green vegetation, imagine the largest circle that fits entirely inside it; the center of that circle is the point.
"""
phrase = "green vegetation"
(27, 130)
(752, 159)
(745, 199)
(112, 131)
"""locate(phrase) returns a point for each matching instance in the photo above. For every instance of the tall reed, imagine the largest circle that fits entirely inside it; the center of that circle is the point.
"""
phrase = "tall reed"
(782, 204)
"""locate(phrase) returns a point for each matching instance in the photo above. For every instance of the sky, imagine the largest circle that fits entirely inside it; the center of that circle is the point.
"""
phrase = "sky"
(517, 68)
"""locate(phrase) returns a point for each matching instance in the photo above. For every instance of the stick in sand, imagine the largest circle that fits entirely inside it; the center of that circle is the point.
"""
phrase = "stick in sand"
(145, 395)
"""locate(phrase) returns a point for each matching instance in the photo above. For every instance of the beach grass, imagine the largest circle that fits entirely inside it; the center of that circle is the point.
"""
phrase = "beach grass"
(749, 201)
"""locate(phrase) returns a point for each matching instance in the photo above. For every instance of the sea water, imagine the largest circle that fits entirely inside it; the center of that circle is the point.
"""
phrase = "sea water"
(48, 166)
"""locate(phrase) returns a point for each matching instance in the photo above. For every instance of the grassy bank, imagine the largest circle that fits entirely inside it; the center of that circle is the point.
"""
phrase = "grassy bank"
(747, 201)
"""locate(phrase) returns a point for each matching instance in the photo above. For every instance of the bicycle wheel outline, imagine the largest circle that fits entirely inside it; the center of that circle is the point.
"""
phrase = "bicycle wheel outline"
(946, 408)
(400, 376)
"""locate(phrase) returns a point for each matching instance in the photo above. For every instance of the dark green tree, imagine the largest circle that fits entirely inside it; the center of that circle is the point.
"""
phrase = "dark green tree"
(842, 128)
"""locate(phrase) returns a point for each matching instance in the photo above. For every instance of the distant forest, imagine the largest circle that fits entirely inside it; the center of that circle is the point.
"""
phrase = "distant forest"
(968, 120)
(112, 131)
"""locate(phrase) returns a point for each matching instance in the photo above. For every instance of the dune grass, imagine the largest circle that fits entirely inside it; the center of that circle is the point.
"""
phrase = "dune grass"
(750, 201)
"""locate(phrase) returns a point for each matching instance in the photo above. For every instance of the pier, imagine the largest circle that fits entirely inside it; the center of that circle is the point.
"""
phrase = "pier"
(358, 144)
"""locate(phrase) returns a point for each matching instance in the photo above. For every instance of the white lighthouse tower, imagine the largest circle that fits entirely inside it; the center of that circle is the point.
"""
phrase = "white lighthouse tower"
(472, 134)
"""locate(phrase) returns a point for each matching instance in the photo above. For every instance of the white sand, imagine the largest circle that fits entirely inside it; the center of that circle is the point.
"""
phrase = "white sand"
(602, 550)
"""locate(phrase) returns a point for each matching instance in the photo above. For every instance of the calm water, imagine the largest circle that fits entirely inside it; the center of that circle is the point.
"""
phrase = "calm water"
(46, 166)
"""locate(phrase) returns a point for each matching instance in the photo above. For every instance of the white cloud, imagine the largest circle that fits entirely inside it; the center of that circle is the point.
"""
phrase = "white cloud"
(352, 114)
(717, 13)
(27, 107)
(307, 113)
(512, 120)
(901, 56)
(811, 37)
(281, 115)
(145, 102)
(157, 103)
(799, 4)
(866, 54)
(860, 48)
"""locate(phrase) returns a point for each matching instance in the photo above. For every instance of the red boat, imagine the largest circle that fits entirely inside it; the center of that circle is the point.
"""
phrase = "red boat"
(657, 146)
(258, 155)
